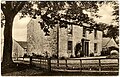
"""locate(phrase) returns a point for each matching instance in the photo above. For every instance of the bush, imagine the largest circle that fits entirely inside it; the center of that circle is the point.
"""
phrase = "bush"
(39, 56)
(71, 56)
(63, 57)
(112, 56)
(114, 53)
(91, 54)
(54, 56)
(105, 53)
(81, 54)
(25, 55)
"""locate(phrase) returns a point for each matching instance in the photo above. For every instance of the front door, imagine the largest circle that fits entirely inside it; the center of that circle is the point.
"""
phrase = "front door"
(86, 48)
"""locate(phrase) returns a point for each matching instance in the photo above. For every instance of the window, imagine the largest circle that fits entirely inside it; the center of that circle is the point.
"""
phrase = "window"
(95, 47)
(95, 34)
(84, 32)
(69, 45)
(70, 29)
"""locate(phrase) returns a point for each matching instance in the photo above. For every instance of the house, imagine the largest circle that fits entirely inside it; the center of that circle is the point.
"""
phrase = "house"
(109, 43)
(63, 41)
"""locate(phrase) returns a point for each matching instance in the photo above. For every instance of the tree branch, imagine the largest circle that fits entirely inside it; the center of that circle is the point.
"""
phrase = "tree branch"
(19, 6)
(3, 7)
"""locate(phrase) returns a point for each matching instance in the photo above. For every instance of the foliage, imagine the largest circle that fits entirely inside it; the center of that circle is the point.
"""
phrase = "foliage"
(61, 12)
(113, 31)
(82, 54)
(91, 54)
(63, 57)
(114, 53)
(113, 56)
(105, 53)
(77, 49)
(71, 56)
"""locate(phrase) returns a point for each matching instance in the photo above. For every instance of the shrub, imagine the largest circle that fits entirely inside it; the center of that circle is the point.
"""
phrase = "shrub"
(63, 57)
(25, 55)
(91, 54)
(112, 56)
(39, 56)
(71, 56)
(105, 53)
(54, 56)
(81, 54)
(114, 53)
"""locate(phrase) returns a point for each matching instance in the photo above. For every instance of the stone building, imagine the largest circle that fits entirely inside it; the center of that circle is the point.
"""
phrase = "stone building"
(63, 41)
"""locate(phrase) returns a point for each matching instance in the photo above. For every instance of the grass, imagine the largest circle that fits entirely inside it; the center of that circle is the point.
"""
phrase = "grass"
(26, 70)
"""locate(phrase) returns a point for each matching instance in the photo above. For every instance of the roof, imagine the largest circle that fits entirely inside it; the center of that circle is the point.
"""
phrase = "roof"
(23, 44)
(109, 42)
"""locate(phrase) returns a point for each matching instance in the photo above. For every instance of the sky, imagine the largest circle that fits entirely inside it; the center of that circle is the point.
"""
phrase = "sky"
(20, 25)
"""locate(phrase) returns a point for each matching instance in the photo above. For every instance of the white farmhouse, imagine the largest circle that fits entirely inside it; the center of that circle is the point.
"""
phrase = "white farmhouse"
(63, 41)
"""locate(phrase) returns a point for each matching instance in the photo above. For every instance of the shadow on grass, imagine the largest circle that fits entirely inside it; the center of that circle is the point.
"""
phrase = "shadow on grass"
(77, 74)
(31, 71)
(16, 67)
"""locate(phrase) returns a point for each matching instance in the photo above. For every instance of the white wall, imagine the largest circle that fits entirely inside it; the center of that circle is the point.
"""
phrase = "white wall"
(63, 40)
(90, 36)
(77, 36)
(98, 40)
(34, 37)
(37, 41)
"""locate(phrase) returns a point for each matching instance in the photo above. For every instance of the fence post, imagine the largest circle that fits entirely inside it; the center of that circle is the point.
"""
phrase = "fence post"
(49, 64)
(57, 62)
(30, 60)
(80, 64)
(66, 63)
(99, 65)
(118, 62)
(40, 62)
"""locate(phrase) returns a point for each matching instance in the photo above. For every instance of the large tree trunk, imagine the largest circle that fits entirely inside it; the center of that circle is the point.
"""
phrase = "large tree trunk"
(7, 51)
(10, 9)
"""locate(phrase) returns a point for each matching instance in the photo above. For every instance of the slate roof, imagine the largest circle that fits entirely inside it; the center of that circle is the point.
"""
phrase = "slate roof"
(108, 42)
(23, 44)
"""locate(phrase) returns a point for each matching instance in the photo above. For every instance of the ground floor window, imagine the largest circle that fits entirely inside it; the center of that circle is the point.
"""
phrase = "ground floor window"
(95, 47)
(69, 45)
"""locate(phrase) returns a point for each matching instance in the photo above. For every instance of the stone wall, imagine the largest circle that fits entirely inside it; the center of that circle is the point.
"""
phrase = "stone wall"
(77, 36)
(38, 43)
(93, 40)
(63, 39)
(34, 37)
(99, 41)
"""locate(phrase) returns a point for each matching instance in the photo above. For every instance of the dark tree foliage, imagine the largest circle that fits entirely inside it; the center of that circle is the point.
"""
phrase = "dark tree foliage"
(73, 13)
(113, 31)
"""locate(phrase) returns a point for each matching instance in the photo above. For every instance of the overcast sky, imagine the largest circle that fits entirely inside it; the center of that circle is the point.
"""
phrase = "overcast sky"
(20, 25)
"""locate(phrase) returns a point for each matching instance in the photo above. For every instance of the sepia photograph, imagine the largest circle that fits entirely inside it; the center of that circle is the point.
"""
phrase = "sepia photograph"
(59, 38)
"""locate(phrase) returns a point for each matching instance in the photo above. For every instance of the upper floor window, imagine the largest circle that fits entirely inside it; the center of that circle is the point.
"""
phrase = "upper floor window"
(69, 45)
(95, 47)
(84, 32)
(70, 29)
(95, 34)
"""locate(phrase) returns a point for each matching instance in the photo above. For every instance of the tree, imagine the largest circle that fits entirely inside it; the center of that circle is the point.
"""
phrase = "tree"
(113, 32)
(10, 9)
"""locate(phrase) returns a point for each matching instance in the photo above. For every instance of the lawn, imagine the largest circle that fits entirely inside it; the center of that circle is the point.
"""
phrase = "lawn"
(25, 70)
(21, 69)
